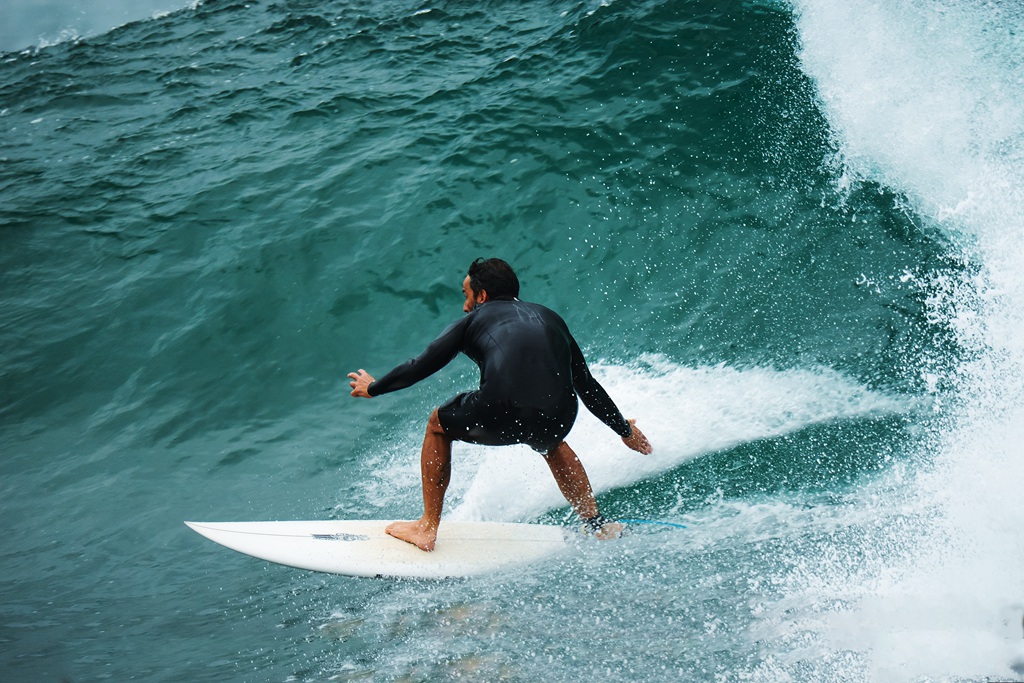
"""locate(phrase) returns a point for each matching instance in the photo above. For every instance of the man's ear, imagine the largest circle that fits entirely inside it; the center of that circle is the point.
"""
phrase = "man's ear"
(481, 296)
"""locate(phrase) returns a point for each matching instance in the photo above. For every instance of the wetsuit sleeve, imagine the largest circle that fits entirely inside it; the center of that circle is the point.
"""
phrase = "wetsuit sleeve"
(594, 397)
(440, 352)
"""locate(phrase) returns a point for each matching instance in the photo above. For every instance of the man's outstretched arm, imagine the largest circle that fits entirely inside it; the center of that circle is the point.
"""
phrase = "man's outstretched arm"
(440, 352)
(598, 402)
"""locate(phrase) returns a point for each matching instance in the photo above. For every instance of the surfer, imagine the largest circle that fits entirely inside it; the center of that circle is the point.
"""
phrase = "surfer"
(531, 373)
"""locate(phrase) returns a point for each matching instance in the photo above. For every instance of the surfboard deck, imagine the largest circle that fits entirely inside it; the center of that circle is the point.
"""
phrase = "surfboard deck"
(361, 548)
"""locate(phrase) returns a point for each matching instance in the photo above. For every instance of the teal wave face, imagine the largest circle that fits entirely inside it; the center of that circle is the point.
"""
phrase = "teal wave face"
(245, 184)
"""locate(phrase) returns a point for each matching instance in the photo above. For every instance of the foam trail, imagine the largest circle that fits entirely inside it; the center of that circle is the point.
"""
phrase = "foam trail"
(685, 412)
(927, 97)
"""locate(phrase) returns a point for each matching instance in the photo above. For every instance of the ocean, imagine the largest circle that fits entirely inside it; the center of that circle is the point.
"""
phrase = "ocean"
(787, 235)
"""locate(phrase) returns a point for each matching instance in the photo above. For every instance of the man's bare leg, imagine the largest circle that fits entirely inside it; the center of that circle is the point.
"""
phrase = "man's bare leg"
(574, 484)
(435, 472)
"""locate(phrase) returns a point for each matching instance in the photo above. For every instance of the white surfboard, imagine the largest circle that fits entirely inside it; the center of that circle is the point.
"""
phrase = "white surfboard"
(361, 548)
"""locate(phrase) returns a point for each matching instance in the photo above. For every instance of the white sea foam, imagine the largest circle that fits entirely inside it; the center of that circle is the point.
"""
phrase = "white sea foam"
(686, 412)
(927, 97)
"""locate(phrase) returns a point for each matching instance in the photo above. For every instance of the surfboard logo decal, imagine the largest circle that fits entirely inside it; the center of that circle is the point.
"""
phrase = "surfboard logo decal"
(340, 537)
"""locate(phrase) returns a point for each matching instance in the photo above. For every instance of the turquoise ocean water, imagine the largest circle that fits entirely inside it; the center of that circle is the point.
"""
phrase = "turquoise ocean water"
(788, 236)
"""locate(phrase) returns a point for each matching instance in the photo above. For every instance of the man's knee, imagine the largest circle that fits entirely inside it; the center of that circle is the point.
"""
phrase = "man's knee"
(434, 425)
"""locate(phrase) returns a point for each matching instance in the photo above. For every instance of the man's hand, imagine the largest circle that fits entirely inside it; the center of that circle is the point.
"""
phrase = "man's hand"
(637, 441)
(360, 383)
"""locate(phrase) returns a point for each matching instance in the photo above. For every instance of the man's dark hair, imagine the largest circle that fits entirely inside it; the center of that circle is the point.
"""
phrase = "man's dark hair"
(493, 276)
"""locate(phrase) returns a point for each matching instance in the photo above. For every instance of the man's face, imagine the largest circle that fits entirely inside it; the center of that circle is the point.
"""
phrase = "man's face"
(472, 298)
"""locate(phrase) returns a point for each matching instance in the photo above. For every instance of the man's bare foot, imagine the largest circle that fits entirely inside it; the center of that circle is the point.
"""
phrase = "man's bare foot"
(418, 532)
(610, 531)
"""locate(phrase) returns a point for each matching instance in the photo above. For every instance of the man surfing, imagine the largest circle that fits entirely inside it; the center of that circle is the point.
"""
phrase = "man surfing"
(531, 373)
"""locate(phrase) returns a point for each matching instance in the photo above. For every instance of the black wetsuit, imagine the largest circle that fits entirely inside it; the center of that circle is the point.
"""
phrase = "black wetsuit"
(531, 370)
